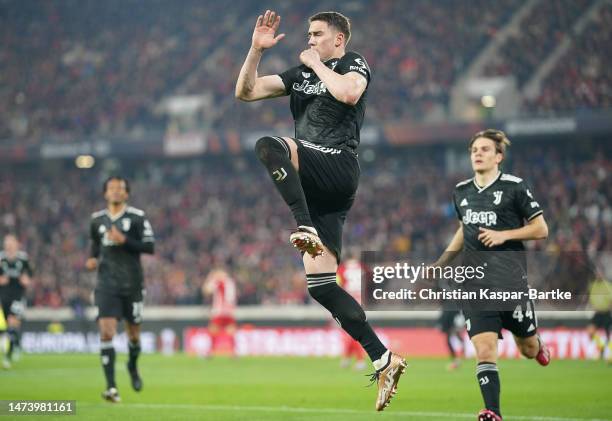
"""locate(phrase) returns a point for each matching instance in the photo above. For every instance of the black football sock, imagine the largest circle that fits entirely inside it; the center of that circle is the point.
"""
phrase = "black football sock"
(134, 352)
(275, 154)
(449, 343)
(107, 357)
(346, 310)
(13, 341)
(18, 337)
(488, 379)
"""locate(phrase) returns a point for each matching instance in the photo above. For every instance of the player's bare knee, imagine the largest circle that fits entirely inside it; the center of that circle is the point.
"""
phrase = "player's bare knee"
(108, 329)
(486, 351)
(106, 335)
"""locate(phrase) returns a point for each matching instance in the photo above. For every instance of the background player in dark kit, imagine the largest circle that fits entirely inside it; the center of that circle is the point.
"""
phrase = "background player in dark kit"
(15, 274)
(317, 172)
(492, 208)
(119, 234)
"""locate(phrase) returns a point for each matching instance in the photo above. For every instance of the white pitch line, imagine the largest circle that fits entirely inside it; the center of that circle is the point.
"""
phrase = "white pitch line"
(389, 412)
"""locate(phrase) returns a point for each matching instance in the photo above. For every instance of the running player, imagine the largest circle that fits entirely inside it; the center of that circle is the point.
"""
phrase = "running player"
(497, 212)
(15, 277)
(119, 235)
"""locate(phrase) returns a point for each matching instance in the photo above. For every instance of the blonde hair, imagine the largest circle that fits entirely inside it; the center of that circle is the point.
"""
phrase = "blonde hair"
(497, 136)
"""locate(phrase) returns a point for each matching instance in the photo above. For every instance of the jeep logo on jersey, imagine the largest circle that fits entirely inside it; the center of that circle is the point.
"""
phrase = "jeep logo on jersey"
(308, 89)
(498, 196)
(483, 217)
(126, 223)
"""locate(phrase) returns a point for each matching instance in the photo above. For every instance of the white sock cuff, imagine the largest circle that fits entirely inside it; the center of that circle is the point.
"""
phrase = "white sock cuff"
(106, 344)
(380, 363)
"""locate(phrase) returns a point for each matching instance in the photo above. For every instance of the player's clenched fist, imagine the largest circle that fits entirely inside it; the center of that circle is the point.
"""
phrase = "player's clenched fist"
(265, 28)
(310, 57)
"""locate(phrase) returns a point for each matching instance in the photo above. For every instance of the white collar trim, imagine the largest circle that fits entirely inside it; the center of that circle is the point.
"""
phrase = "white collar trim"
(481, 189)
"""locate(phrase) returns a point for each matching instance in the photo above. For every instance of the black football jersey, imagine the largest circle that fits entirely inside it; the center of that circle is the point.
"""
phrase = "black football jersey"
(319, 117)
(13, 269)
(119, 267)
(504, 204)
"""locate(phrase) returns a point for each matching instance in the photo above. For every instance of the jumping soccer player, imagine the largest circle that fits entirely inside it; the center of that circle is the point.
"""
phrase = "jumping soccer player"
(317, 171)
(492, 208)
(119, 234)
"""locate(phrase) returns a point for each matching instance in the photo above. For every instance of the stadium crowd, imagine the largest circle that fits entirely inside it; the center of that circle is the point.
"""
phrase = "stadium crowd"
(583, 79)
(209, 212)
(73, 69)
(541, 31)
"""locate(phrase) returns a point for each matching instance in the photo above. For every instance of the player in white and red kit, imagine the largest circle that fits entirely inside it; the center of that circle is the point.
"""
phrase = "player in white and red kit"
(222, 323)
(349, 278)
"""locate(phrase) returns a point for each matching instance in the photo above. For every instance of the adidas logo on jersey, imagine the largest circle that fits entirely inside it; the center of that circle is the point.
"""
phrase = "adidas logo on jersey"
(305, 75)
(483, 217)
(464, 202)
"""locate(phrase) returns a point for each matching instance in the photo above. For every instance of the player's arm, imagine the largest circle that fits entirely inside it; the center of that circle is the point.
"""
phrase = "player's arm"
(3, 277)
(26, 277)
(250, 86)
(535, 229)
(92, 261)
(145, 243)
(25, 280)
(454, 248)
(346, 88)
(208, 287)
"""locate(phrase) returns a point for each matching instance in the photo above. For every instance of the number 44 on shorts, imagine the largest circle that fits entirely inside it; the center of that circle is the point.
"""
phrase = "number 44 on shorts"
(519, 316)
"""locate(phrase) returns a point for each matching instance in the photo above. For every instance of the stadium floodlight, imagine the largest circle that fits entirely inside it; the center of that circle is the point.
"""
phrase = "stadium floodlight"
(84, 161)
(488, 101)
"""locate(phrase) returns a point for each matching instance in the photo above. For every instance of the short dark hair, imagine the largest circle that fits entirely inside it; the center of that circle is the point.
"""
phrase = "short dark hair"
(497, 136)
(116, 177)
(337, 20)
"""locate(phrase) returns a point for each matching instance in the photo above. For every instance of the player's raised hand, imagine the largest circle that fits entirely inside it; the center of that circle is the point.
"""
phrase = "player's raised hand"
(265, 29)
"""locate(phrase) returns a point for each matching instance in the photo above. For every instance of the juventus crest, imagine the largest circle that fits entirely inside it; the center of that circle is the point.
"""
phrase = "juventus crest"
(498, 196)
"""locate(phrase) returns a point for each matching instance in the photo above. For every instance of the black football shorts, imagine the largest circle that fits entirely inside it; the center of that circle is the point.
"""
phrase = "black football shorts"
(329, 178)
(128, 307)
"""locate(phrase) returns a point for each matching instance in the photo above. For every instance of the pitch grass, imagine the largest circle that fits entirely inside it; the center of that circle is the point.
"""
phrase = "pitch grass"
(187, 388)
